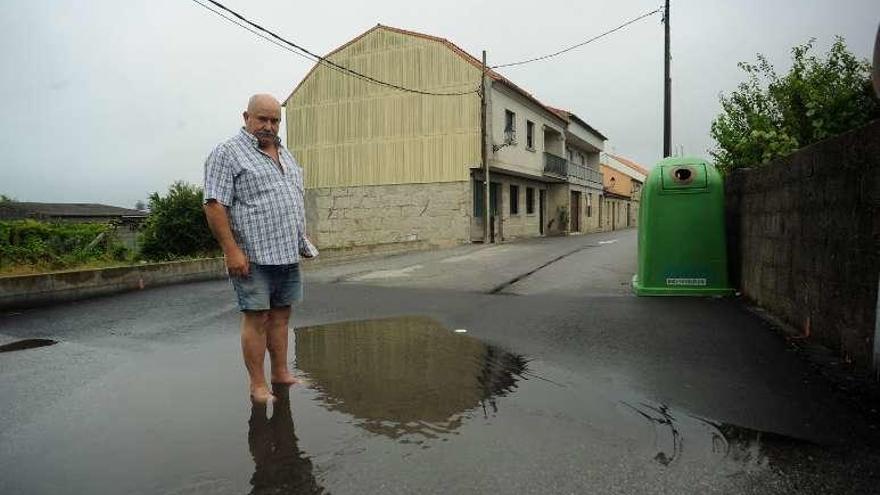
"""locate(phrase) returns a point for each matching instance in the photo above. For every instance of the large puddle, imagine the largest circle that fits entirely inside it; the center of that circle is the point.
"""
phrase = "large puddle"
(405, 378)
(401, 405)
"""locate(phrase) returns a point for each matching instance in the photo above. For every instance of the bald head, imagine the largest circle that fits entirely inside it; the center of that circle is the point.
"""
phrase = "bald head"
(262, 119)
(263, 100)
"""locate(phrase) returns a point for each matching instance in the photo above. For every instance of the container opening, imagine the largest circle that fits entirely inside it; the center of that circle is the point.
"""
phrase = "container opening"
(682, 174)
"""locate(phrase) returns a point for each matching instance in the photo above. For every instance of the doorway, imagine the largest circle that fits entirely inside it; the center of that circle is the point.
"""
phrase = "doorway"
(542, 198)
(575, 211)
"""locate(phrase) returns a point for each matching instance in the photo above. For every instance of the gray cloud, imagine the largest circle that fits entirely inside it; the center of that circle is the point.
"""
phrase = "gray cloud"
(107, 101)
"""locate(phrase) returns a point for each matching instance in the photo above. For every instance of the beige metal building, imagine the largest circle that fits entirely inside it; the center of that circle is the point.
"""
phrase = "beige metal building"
(386, 168)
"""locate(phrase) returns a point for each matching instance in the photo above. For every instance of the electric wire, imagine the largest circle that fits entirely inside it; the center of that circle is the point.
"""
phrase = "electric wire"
(293, 47)
(261, 35)
(594, 38)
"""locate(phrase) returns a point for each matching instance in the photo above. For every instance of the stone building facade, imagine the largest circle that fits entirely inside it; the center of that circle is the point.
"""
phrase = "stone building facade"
(391, 169)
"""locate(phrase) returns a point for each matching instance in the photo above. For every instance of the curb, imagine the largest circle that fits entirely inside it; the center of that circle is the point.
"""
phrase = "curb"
(21, 291)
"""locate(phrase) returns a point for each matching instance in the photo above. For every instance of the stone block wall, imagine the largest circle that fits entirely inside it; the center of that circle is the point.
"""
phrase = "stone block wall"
(804, 239)
(368, 217)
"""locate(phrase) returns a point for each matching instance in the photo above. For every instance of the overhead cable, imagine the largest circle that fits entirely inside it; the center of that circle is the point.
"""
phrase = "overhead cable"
(594, 38)
(293, 47)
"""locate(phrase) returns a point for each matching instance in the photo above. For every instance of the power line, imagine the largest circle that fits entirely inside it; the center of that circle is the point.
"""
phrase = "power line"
(594, 38)
(248, 28)
(307, 54)
(261, 35)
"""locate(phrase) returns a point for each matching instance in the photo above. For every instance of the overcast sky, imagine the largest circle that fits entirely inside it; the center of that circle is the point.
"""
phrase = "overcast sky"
(107, 101)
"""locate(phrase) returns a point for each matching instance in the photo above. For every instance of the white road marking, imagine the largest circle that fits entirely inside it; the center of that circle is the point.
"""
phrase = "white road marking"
(612, 241)
(397, 273)
(477, 255)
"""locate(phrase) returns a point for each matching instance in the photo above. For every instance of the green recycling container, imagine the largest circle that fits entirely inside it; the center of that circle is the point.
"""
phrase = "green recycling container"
(682, 244)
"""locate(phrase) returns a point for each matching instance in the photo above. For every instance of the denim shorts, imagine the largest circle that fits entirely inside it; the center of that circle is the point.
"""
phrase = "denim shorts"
(268, 286)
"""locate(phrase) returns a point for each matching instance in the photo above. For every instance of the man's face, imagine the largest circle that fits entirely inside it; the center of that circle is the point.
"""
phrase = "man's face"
(262, 122)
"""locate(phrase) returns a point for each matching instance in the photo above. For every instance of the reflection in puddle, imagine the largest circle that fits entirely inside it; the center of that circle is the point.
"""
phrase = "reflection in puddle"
(684, 438)
(280, 467)
(404, 376)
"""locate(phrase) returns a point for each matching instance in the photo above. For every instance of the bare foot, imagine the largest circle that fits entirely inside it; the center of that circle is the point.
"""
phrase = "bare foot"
(284, 378)
(261, 394)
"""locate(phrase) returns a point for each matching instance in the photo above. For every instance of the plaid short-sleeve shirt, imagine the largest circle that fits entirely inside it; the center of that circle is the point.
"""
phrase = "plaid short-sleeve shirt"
(265, 202)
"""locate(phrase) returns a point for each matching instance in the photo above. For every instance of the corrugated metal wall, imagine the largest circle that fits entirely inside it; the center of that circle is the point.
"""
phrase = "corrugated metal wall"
(349, 132)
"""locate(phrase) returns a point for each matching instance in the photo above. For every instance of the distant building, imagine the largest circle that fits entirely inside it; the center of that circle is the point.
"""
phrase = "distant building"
(389, 167)
(623, 181)
(127, 221)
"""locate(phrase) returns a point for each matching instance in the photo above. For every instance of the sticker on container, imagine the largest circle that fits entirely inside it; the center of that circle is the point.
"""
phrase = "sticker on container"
(695, 282)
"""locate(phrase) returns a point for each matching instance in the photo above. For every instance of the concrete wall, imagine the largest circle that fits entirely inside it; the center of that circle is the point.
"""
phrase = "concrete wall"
(616, 181)
(614, 214)
(804, 239)
(591, 214)
(587, 136)
(522, 224)
(50, 288)
(436, 214)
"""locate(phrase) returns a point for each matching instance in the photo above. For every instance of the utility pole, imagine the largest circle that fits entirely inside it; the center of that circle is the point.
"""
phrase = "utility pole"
(484, 142)
(667, 100)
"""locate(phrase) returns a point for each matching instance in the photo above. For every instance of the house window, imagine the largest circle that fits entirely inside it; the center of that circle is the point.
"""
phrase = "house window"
(589, 205)
(530, 201)
(514, 200)
(509, 127)
(530, 135)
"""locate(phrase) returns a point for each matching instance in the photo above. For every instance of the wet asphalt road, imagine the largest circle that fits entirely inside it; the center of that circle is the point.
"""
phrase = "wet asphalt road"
(562, 383)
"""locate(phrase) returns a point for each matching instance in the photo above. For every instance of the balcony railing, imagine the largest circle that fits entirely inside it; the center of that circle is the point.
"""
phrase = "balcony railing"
(584, 172)
(560, 167)
(555, 165)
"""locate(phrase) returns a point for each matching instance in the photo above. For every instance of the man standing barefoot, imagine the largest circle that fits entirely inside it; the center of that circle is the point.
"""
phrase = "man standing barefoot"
(255, 208)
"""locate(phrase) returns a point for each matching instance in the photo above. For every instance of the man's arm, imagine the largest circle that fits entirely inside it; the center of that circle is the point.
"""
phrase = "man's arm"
(218, 221)
(304, 244)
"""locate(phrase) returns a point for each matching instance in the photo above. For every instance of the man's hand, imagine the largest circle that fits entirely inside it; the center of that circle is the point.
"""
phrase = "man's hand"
(237, 262)
(218, 220)
(307, 249)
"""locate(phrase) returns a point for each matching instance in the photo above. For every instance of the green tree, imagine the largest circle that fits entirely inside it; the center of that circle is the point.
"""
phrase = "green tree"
(176, 226)
(6, 199)
(769, 116)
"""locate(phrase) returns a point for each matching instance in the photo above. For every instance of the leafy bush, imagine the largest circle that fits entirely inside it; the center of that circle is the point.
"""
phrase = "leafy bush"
(176, 227)
(769, 116)
(52, 246)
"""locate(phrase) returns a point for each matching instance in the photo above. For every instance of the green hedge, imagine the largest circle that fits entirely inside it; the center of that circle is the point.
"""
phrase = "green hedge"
(176, 227)
(44, 245)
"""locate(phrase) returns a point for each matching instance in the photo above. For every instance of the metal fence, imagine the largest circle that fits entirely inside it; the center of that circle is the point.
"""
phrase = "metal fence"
(558, 166)
(555, 165)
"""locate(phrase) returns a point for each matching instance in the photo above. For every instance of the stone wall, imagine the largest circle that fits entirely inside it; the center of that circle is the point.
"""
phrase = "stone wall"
(403, 216)
(804, 239)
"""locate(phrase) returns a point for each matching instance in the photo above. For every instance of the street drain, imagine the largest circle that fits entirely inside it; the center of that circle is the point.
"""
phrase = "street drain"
(21, 345)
